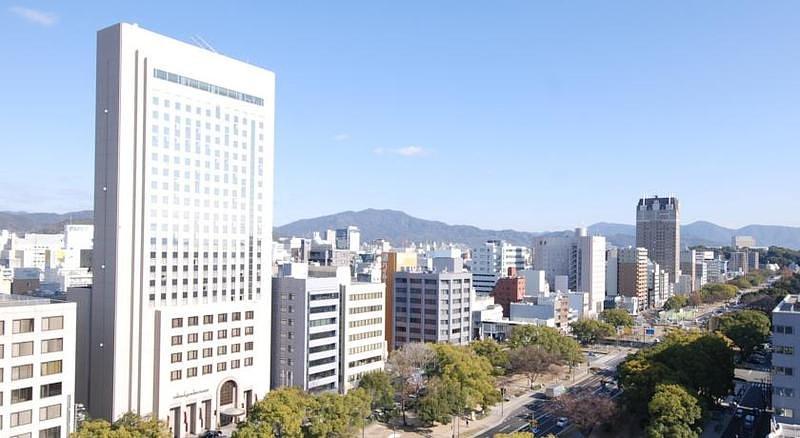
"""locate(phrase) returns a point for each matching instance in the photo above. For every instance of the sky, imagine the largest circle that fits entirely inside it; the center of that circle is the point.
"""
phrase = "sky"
(530, 115)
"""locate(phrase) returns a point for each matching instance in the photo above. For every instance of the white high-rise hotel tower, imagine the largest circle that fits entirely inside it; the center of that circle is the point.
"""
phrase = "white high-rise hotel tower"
(183, 225)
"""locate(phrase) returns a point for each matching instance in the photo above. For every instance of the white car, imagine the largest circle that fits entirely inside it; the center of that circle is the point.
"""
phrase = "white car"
(562, 422)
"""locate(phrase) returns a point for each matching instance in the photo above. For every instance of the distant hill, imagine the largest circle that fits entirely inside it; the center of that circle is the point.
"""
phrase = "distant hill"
(400, 227)
(22, 222)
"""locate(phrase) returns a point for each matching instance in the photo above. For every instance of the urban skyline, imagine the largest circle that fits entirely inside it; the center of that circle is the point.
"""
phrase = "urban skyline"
(522, 93)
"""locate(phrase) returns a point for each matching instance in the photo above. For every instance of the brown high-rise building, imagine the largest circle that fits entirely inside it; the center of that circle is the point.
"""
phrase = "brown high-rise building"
(509, 290)
(658, 229)
(632, 274)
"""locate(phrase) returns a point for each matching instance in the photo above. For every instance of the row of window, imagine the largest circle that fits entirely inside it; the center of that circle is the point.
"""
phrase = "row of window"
(26, 325)
(365, 348)
(366, 322)
(209, 352)
(366, 296)
(366, 335)
(178, 106)
(22, 418)
(781, 349)
(205, 86)
(19, 349)
(192, 338)
(21, 372)
(21, 395)
(50, 432)
(783, 329)
(208, 369)
(783, 392)
(365, 309)
(209, 319)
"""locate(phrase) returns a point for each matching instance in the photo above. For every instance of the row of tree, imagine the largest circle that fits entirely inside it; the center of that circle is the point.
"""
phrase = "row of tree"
(129, 425)
(589, 331)
(710, 293)
(766, 299)
(668, 384)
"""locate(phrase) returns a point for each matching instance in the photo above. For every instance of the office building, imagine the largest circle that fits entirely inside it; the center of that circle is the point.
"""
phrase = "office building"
(183, 229)
(612, 272)
(432, 306)
(740, 262)
(658, 229)
(588, 269)
(551, 254)
(492, 260)
(535, 282)
(363, 340)
(395, 261)
(689, 269)
(786, 366)
(632, 274)
(507, 290)
(740, 242)
(37, 367)
(348, 239)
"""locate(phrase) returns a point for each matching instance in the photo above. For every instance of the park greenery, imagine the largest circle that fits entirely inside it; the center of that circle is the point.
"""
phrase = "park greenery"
(129, 425)
(676, 302)
(766, 299)
(618, 318)
(682, 360)
(589, 331)
(781, 256)
(746, 328)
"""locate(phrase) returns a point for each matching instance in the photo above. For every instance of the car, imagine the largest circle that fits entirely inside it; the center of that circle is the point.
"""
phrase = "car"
(562, 422)
(739, 412)
(749, 421)
(212, 434)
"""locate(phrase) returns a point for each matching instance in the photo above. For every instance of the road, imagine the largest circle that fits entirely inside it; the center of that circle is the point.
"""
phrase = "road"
(519, 419)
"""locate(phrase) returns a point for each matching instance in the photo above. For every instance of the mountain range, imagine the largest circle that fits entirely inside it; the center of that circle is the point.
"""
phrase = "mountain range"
(399, 227)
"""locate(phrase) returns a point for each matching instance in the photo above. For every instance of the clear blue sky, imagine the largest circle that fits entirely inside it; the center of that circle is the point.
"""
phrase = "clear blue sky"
(529, 115)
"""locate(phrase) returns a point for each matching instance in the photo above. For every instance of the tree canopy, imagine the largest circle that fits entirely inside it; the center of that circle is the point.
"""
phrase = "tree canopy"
(676, 302)
(746, 328)
(493, 352)
(130, 425)
(532, 361)
(617, 317)
(379, 387)
(673, 413)
(589, 331)
(548, 339)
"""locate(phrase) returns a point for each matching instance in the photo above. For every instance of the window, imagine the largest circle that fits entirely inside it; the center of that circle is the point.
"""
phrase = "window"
(783, 392)
(787, 350)
(192, 321)
(53, 432)
(234, 364)
(248, 346)
(247, 315)
(248, 361)
(222, 334)
(49, 412)
(21, 418)
(177, 340)
(20, 372)
(208, 336)
(222, 317)
(222, 349)
(236, 332)
(783, 329)
(191, 372)
(175, 375)
(784, 412)
(52, 345)
(222, 366)
(207, 369)
(786, 371)
(177, 322)
(191, 355)
(208, 319)
(248, 330)
(208, 352)
(235, 348)
(236, 316)
(53, 323)
(52, 367)
(22, 349)
(176, 357)
(50, 390)
(191, 338)
(22, 326)
(21, 395)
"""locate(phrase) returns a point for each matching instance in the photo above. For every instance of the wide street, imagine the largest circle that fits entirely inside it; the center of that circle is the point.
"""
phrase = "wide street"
(520, 418)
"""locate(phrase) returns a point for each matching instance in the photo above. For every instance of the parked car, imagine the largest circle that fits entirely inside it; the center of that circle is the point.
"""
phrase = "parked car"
(739, 412)
(554, 391)
(749, 421)
(562, 422)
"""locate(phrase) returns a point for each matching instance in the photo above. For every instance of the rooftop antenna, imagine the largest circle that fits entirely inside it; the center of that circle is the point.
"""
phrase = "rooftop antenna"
(205, 44)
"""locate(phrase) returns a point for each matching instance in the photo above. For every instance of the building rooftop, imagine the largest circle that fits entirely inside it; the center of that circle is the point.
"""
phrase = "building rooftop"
(12, 300)
(789, 304)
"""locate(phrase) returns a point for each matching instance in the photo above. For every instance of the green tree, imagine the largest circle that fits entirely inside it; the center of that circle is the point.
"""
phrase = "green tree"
(548, 339)
(334, 415)
(589, 331)
(378, 385)
(676, 302)
(408, 366)
(493, 352)
(715, 292)
(746, 328)
(129, 425)
(617, 317)
(281, 413)
(473, 374)
(673, 413)
(441, 401)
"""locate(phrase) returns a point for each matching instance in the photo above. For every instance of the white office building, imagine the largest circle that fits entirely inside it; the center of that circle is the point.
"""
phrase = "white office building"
(786, 366)
(364, 348)
(492, 261)
(37, 367)
(183, 229)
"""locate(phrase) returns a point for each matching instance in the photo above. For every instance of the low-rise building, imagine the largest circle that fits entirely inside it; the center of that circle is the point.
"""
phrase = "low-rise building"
(786, 364)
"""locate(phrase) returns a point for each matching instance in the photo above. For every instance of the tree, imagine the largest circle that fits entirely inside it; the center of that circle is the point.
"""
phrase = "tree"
(695, 299)
(334, 415)
(441, 401)
(714, 292)
(548, 339)
(746, 328)
(675, 302)
(129, 425)
(588, 331)
(281, 413)
(532, 361)
(586, 410)
(472, 373)
(617, 318)
(673, 413)
(378, 385)
(493, 352)
(408, 366)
